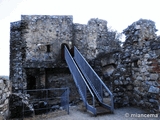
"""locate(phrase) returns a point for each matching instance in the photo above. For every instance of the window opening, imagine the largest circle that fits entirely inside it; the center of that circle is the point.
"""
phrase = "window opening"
(48, 48)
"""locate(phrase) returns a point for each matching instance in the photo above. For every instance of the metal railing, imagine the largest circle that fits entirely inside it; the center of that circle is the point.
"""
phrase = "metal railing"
(51, 97)
(80, 82)
(93, 79)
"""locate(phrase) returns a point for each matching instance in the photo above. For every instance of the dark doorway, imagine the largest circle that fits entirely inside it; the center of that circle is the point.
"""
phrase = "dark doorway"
(31, 82)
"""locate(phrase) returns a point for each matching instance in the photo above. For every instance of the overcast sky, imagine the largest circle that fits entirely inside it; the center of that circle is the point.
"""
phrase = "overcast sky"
(118, 13)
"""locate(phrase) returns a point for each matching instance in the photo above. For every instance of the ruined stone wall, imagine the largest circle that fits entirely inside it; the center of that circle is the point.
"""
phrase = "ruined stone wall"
(141, 52)
(44, 36)
(17, 55)
(80, 38)
(35, 46)
(36, 43)
(135, 79)
(98, 46)
(59, 78)
(94, 39)
(39, 41)
(122, 86)
(5, 91)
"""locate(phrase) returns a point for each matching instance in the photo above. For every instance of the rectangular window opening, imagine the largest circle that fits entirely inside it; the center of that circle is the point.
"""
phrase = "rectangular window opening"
(48, 48)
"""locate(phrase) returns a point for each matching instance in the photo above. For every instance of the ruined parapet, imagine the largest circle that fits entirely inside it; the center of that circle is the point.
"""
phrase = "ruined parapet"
(139, 32)
(94, 39)
(5, 91)
(97, 36)
(141, 54)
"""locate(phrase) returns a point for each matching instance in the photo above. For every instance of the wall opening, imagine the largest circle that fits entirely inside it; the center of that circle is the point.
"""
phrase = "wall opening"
(31, 82)
(48, 48)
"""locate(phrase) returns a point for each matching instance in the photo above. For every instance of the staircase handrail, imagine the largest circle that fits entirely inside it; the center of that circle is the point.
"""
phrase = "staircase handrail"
(81, 84)
(90, 73)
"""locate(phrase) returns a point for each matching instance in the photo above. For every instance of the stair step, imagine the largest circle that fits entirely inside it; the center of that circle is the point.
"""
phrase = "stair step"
(101, 110)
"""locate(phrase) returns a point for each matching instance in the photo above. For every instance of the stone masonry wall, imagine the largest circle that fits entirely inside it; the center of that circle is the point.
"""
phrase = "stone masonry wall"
(94, 39)
(44, 36)
(36, 43)
(141, 51)
(98, 46)
(5, 91)
(59, 78)
(17, 56)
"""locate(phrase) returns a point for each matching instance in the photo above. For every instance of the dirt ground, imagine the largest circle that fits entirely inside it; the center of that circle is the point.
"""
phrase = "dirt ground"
(79, 113)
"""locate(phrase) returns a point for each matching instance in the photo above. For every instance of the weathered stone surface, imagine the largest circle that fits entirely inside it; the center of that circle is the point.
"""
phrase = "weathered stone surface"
(153, 89)
(140, 43)
(129, 87)
(94, 39)
(154, 76)
(146, 30)
(43, 41)
(5, 91)
(18, 103)
(137, 83)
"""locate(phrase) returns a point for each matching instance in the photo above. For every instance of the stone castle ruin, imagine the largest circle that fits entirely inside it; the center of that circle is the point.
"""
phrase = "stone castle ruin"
(132, 72)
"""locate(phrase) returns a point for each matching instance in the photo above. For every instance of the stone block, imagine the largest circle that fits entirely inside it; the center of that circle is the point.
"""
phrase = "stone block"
(154, 76)
(140, 78)
(116, 82)
(1, 91)
(153, 89)
(6, 101)
(137, 97)
(137, 83)
(143, 70)
(129, 87)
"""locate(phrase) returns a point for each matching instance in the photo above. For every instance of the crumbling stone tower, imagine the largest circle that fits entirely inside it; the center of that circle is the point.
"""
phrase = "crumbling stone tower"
(35, 50)
(142, 53)
(132, 71)
(136, 78)
(35, 45)
(36, 54)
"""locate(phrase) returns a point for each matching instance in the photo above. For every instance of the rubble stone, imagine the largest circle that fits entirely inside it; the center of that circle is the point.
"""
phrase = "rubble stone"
(141, 41)
(18, 103)
(153, 89)
(154, 76)
(5, 91)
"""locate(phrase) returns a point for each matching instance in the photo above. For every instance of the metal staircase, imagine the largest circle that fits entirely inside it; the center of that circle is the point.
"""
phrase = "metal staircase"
(91, 88)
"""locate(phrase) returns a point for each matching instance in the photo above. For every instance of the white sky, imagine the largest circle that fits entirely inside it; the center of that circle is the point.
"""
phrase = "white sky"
(118, 13)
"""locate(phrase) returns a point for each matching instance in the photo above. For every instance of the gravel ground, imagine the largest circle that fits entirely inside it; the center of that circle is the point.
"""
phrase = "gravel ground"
(119, 114)
(79, 113)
